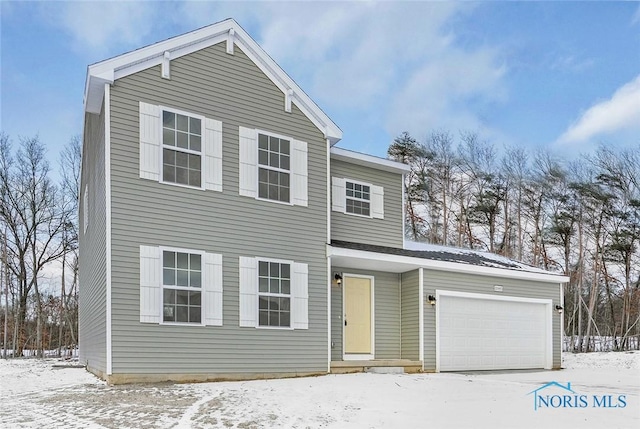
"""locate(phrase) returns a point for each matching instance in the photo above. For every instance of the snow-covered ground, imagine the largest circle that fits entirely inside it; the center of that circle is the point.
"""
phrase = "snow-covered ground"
(39, 394)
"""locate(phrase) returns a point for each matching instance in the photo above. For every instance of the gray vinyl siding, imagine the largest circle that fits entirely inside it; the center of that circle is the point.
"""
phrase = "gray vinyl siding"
(358, 229)
(410, 307)
(471, 283)
(229, 88)
(92, 264)
(386, 293)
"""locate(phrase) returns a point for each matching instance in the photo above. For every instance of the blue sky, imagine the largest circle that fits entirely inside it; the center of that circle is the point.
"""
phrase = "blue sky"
(558, 75)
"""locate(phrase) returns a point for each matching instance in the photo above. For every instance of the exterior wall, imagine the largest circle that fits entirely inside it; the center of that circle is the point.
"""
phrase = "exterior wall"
(229, 88)
(386, 314)
(410, 307)
(443, 280)
(92, 292)
(358, 229)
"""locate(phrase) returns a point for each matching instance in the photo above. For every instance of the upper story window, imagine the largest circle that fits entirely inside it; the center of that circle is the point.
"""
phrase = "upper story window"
(273, 167)
(274, 160)
(181, 149)
(358, 198)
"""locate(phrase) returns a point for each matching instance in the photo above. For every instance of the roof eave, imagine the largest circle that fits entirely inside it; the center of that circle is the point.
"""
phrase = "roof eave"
(109, 70)
(369, 160)
(412, 262)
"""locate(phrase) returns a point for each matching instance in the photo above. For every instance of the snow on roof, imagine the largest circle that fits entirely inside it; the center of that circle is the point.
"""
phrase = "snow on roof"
(446, 254)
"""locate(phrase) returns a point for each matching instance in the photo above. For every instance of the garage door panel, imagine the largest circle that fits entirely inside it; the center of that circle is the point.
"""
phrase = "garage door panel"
(485, 334)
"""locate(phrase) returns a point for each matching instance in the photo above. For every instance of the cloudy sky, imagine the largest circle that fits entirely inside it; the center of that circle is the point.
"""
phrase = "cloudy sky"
(559, 75)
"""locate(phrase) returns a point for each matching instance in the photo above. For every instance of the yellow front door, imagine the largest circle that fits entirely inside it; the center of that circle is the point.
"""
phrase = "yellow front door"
(357, 315)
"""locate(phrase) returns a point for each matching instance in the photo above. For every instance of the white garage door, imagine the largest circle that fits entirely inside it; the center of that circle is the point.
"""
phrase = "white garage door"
(483, 334)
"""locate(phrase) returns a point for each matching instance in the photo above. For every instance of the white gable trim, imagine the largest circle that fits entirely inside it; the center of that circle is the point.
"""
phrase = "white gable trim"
(369, 160)
(228, 31)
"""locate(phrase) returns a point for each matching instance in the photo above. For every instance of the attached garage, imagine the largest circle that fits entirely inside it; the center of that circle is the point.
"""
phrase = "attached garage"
(488, 332)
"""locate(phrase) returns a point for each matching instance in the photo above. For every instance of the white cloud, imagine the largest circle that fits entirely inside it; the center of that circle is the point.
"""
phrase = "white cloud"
(99, 27)
(398, 59)
(620, 113)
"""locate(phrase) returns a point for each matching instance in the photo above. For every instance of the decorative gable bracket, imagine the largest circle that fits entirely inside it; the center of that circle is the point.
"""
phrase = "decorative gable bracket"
(166, 62)
(230, 40)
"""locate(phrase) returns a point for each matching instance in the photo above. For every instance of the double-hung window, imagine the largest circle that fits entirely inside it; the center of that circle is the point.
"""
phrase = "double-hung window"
(358, 198)
(181, 287)
(272, 167)
(274, 160)
(274, 294)
(181, 149)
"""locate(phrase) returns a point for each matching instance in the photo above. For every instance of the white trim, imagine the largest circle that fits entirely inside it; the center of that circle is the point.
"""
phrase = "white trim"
(278, 295)
(404, 214)
(561, 322)
(109, 70)
(107, 192)
(230, 39)
(166, 65)
(421, 315)
(268, 167)
(548, 319)
(352, 356)
(369, 160)
(329, 339)
(329, 202)
(200, 153)
(398, 263)
(346, 197)
(203, 279)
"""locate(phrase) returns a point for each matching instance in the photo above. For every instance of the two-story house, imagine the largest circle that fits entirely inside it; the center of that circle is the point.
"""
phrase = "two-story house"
(225, 236)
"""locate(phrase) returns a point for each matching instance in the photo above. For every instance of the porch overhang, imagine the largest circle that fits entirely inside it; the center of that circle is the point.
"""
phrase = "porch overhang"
(393, 263)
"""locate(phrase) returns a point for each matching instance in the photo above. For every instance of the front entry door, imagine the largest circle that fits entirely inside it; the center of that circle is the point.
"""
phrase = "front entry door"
(357, 316)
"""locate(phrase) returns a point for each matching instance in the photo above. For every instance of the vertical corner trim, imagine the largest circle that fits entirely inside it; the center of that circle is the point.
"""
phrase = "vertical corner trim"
(107, 191)
(166, 62)
(230, 40)
(421, 315)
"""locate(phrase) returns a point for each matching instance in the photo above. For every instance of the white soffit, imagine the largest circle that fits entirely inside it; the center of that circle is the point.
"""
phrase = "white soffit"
(350, 258)
(369, 160)
(108, 71)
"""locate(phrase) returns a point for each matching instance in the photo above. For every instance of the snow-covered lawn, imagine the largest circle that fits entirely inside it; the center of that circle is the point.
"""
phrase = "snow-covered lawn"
(39, 394)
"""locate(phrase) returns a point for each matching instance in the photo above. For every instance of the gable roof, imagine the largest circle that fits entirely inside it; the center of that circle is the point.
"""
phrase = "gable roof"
(228, 31)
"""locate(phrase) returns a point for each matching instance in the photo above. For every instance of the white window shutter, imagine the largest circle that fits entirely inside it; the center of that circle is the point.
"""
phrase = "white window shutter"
(338, 195)
(150, 285)
(248, 162)
(299, 173)
(377, 202)
(300, 296)
(212, 289)
(248, 292)
(213, 154)
(149, 141)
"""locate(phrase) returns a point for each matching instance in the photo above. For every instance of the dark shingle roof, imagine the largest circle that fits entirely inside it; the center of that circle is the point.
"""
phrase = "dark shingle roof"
(445, 254)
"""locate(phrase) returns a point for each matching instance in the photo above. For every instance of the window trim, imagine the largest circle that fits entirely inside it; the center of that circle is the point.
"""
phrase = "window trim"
(259, 259)
(162, 249)
(346, 197)
(162, 146)
(280, 170)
